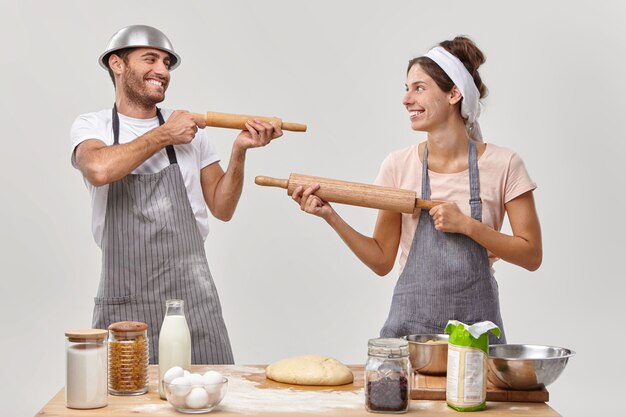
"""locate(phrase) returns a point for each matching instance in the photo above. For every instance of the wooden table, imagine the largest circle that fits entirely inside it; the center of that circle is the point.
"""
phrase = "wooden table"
(250, 393)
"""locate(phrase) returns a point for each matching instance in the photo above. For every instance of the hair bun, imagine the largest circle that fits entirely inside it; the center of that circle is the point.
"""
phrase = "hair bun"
(468, 53)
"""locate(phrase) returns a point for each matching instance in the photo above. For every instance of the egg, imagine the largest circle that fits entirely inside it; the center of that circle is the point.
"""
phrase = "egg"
(212, 377)
(195, 379)
(178, 401)
(186, 372)
(180, 387)
(173, 373)
(214, 397)
(197, 398)
(212, 381)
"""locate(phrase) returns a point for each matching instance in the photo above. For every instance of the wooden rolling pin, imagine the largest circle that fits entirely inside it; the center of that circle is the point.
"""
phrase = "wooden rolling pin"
(238, 121)
(353, 193)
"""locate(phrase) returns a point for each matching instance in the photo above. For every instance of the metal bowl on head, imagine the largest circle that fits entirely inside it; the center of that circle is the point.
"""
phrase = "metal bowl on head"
(428, 353)
(526, 367)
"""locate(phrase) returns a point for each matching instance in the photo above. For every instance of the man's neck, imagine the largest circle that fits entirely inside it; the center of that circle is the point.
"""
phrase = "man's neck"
(134, 110)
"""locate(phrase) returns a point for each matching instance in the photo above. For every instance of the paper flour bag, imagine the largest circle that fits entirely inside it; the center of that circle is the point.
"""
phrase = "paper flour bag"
(468, 348)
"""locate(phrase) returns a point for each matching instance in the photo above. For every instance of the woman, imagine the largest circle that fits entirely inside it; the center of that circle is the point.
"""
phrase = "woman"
(447, 253)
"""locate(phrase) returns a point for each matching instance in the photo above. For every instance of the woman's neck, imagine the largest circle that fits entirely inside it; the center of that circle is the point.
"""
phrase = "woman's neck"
(448, 148)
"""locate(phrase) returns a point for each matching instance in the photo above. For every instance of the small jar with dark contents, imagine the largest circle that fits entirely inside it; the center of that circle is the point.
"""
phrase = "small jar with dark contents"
(387, 376)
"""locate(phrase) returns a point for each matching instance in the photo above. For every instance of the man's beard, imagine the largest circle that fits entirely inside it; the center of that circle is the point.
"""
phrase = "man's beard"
(138, 93)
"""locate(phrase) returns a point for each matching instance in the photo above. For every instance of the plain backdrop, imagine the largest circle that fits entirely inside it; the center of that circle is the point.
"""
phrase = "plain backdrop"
(288, 285)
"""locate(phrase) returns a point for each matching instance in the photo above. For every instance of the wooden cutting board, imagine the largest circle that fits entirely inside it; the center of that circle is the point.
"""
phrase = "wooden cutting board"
(427, 387)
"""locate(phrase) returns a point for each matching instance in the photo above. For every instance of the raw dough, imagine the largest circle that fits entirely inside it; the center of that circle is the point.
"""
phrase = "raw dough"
(310, 370)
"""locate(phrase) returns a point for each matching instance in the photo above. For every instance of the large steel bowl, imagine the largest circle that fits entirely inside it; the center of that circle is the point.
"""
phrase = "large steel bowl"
(526, 367)
(428, 353)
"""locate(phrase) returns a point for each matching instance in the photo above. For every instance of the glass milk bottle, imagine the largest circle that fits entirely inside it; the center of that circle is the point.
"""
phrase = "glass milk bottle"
(86, 368)
(174, 341)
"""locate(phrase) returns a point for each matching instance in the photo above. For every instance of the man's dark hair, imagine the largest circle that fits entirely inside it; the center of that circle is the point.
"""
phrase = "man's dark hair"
(122, 53)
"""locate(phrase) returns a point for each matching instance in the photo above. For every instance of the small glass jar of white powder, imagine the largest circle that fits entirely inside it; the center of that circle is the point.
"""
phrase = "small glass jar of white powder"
(86, 368)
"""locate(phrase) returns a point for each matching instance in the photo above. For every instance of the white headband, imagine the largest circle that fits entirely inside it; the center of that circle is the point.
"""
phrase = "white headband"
(460, 76)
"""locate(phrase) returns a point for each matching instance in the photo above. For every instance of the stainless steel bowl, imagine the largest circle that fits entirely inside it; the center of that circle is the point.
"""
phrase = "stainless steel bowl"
(428, 353)
(526, 367)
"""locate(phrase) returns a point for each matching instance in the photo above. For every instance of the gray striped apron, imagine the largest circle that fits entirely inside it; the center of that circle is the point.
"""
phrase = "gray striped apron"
(152, 251)
(447, 276)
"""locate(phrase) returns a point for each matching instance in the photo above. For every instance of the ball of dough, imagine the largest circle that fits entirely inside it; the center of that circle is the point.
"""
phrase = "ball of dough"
(309, 370)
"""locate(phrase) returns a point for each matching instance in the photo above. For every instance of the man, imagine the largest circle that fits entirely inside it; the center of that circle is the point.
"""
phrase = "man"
(151, 174)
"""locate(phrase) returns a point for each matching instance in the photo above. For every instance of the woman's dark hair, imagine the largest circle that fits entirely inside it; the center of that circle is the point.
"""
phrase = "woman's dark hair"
(468, 53)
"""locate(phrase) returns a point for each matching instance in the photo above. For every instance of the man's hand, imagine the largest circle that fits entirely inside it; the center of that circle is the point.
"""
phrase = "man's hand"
(258, 134)
(181, 127)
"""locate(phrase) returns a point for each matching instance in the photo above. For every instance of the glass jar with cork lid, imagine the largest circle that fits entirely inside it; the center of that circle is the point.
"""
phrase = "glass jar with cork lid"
(128, 358)
(387, 376)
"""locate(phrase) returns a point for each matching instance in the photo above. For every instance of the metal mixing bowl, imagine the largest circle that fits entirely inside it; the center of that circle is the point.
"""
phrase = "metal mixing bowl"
(526, 367)
(428, 353)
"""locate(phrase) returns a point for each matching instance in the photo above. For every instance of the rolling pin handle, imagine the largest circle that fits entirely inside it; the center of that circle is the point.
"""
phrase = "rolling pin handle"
(271, 182)
(199, 116)
(427, 204)
(294, 127)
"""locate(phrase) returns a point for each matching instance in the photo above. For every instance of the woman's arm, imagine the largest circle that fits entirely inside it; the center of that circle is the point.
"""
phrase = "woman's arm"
(377, 252)
(523, 248)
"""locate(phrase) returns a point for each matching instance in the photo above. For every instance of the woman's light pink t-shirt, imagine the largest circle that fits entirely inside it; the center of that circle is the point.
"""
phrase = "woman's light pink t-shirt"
(502, 177)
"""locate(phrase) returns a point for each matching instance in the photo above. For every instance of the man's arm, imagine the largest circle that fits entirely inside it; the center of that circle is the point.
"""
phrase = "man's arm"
(102, 164)
(222, 190)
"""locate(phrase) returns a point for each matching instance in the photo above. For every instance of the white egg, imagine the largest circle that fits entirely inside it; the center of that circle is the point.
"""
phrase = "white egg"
(180, 387)
(178, 401)
(214, 397)
(173, 373)
(186, 373)
(197, 398)
(194, 379)
(212, 377)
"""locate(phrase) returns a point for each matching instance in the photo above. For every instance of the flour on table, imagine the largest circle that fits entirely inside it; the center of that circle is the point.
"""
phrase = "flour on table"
(244, 396)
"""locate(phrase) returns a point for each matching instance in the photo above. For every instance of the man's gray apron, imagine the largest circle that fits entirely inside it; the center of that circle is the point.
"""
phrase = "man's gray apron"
(152, 251)
(447, 276)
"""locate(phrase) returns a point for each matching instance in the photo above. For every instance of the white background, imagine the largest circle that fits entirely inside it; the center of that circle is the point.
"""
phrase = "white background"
(288, 285)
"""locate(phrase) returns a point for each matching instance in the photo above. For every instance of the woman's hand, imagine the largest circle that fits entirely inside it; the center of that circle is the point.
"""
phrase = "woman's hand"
(449, 218)
(311, 203)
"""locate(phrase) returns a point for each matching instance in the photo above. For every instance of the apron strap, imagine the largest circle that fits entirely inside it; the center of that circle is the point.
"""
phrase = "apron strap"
(475, 201)
(171, 153)
(425, 180)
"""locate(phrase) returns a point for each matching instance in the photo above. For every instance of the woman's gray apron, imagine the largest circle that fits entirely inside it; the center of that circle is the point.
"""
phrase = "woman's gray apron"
(152, 251)
(447, 276)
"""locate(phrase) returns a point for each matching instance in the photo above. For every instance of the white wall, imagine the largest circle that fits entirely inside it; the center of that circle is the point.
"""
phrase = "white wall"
(287, 283)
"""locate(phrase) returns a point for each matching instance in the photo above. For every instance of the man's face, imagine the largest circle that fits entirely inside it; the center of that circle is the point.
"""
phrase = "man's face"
(146, 76)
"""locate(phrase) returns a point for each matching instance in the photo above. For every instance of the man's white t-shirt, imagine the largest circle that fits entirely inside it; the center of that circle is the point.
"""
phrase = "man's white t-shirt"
(191, 159)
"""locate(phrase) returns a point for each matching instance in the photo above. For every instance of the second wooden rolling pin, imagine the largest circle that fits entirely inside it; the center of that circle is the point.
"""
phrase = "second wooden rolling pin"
(353, 193)
(238, 121)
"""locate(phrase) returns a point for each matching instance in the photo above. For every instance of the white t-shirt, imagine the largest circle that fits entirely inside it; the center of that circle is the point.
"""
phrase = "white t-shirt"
(191, 159)
(502, 176)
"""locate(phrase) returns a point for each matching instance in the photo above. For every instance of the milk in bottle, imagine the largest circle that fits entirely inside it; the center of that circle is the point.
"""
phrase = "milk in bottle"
(174, 341)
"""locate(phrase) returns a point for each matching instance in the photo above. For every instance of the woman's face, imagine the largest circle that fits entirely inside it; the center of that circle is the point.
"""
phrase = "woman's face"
(427, 104)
